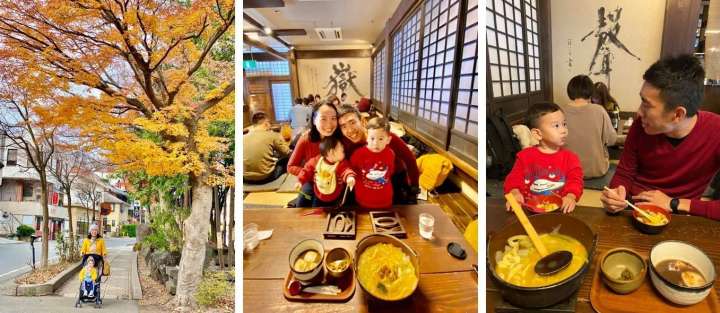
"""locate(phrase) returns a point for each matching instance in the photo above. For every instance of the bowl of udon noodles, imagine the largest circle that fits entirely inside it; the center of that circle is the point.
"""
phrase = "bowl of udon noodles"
(511, 259)
(387, 269)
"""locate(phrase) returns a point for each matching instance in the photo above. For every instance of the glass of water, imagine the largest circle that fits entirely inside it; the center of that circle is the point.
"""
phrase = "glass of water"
(427, 224)
(250, 236)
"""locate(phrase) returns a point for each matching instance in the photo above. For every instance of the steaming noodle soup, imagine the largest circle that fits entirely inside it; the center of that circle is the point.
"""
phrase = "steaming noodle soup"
(387, 272)
(516, 264)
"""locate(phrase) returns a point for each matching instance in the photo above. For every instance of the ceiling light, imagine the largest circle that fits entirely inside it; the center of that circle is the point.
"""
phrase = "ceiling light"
(268, 30)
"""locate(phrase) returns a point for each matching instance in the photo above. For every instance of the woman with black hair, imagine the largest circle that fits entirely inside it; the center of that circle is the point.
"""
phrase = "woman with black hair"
(324, 124)
(590, 130)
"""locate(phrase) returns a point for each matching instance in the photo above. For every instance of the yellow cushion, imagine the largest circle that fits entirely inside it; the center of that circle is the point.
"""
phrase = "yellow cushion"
(471, 234)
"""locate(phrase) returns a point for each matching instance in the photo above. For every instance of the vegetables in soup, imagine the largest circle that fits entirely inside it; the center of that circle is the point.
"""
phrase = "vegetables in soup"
(307, 261)
(387, 272)
(681, 273)
(516, 264)
(656, 219)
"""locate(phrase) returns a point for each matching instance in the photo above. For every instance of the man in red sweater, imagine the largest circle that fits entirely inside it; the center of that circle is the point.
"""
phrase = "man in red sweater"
(407, 175)
(546, 168)
(672, 150)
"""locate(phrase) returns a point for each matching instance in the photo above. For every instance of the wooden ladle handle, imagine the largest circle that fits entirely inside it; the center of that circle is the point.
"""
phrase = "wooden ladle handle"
(529, 229)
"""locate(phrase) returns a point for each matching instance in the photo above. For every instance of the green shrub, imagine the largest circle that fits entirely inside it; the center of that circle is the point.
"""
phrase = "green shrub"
(166, 234)
(128, 230)
(214, 287)
(25, 230)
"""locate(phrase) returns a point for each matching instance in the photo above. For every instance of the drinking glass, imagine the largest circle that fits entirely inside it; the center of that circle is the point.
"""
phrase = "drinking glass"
(427, 224)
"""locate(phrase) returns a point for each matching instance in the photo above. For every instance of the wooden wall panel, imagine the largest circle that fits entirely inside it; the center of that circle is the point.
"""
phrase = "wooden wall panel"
(681, 18)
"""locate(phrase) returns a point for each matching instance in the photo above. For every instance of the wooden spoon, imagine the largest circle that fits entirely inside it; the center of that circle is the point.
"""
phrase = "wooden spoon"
(549, 263)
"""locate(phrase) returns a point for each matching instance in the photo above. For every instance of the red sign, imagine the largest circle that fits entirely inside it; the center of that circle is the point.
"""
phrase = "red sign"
(55, 198)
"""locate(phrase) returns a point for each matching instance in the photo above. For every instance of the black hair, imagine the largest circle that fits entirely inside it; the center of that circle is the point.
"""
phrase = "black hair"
(343, 94)
(258, 117)
(538, 110)
(89, 236)
(314, 133)
(680, 80)
(601, 94)
(306, 101)
(347, 109)
(298, 100)
(378, 123)
(580, 87)
(327, 144)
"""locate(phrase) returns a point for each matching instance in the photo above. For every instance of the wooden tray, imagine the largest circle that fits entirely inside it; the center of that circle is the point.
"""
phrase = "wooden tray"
(644, 299)
(388, 223)
(340, 229)
(345, 283)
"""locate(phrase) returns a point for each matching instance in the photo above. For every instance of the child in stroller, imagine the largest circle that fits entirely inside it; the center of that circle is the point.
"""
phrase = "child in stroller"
(90, 275)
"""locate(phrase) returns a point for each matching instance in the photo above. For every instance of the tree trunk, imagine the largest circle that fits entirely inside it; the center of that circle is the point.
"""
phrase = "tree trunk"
(218, 228)
(70, 221)
(195, 232)
(231, 229)
(46, 217)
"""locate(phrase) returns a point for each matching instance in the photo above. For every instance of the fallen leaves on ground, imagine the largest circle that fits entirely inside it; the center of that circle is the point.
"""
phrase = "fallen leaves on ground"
(42, 275)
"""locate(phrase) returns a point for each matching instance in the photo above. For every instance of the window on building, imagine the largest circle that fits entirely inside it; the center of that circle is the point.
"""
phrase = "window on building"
(269, 68)
(513, 47)
(434, 75)
(27, 189)
(379, 64)
(282, 100)
(12, 157)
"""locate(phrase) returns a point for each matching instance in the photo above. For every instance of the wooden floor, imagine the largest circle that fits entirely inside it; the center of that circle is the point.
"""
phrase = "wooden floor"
(460, 209)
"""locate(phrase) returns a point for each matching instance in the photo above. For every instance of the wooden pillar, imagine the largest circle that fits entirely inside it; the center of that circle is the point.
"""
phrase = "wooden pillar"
(294, 81)
(681, 18)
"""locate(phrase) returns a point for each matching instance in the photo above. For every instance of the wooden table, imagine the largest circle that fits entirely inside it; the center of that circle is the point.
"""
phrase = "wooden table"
(616, 231)
(446, 284)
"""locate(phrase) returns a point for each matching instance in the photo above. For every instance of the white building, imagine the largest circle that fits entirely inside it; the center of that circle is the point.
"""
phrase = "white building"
(20, 196)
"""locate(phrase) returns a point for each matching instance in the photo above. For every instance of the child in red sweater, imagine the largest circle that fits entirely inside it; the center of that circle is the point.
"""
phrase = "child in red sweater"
(375, 164)
(329, 172)
(546, 168)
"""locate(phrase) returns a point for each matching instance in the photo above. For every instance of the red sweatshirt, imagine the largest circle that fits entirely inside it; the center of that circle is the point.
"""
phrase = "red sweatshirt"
(327, 186)
(536, 172)
(652, 163)
(373, 189)
(404, 158)
(303, 152)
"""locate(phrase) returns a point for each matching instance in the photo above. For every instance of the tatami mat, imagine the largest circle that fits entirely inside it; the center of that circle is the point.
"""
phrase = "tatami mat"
(289, 185)
(268, 199)
(271, 186)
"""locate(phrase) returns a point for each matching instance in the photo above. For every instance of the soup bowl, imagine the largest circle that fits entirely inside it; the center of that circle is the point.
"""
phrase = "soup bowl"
(539, 297)
(647, 228)
(534, 201)
(622, 260)
(370, 241)
(673, 291)
(312, 274)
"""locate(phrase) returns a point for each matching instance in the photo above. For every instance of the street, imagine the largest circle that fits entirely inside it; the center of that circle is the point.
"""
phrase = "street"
(15, 258)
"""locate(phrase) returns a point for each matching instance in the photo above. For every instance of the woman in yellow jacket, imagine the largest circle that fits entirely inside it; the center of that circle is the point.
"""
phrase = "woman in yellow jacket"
(94, 245)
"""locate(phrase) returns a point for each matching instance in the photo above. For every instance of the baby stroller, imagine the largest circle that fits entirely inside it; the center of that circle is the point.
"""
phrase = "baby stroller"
(96, 290)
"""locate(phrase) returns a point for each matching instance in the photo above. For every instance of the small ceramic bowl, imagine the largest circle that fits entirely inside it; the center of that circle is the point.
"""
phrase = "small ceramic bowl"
(672, 249)
(337, 254)
(646, 228)
(623, 270)
(314, 273)
(534, 201)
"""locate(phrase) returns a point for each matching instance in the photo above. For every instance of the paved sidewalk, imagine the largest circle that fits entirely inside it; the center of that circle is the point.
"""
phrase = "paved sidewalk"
(116, 286)
(9, 241)
(57, 304)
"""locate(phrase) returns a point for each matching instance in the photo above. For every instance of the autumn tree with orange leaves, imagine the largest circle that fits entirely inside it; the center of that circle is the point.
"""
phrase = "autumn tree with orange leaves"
(118, 70)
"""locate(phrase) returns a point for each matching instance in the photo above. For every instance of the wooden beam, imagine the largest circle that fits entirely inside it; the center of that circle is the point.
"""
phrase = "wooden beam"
(460, 164)
(328, 54)
(254, 4)
(252, 21)
(268, 49)
(290, 32)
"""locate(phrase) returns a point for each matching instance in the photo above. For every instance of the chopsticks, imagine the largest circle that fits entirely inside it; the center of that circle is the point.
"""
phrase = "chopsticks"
(639, 210)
